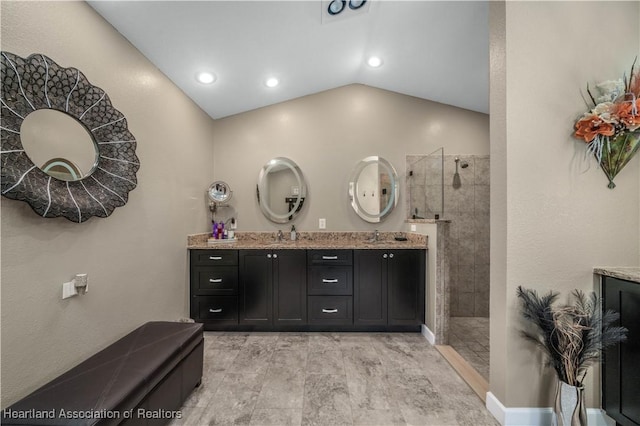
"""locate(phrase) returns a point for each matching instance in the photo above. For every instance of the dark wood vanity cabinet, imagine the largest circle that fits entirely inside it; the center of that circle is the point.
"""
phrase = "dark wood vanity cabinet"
(621, 375)
(389, 287)
(272, 287)
(330, 287)
(297, 289)
(214, 286)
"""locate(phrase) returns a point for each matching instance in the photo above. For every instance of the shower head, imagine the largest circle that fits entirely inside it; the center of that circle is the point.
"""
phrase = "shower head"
(463, 164)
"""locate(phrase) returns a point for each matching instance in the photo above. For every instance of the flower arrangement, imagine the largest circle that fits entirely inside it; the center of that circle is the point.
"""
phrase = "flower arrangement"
(572, 335)
(611, 128)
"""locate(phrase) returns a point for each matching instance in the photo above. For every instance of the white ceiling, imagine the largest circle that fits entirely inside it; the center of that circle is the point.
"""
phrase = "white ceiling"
(436, 50)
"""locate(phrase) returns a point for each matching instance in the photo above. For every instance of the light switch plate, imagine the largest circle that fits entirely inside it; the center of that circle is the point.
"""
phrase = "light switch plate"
(322, 223)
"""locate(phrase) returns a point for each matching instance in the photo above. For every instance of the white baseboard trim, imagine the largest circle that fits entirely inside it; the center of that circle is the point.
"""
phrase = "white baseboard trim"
(428, 334)
(527, 416)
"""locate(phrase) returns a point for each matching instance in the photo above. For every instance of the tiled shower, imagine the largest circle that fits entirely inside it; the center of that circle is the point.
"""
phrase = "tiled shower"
(434, 189)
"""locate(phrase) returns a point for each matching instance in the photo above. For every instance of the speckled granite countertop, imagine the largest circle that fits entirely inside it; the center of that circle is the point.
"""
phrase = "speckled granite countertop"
(629, 273)
(311, 240)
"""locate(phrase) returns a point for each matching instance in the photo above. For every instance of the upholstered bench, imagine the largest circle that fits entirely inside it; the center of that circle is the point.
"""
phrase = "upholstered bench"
(142, 379)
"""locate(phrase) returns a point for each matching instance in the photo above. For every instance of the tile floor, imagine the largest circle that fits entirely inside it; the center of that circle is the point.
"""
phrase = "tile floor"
(329, 379)
(469, 336)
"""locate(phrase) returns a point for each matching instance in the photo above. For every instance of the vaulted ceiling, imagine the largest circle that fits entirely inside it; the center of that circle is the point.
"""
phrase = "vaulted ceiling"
(436, 50)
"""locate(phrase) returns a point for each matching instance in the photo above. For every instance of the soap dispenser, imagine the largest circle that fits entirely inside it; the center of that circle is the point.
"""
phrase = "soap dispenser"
(294, 235)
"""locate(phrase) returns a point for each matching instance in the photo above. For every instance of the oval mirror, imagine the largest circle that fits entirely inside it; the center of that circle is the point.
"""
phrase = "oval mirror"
(59, 144)
(373, 189)
(281, 190)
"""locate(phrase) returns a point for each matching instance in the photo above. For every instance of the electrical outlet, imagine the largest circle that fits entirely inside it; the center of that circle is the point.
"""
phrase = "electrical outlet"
(413, 227)
(322, 223)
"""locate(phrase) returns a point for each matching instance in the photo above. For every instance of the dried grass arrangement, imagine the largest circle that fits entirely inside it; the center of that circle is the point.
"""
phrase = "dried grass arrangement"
(572, 335)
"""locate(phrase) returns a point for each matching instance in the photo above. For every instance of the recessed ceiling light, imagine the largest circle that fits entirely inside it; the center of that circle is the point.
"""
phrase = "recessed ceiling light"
(374, 61)
(336, 6)
(272, 82)
(206, 77)
(356, 4)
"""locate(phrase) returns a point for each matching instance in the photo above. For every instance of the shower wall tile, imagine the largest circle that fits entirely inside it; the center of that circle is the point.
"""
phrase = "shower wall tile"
(482, 170)
(481, 200)
(481, 278)
(481, 304)
(466, 278)
(466, 305)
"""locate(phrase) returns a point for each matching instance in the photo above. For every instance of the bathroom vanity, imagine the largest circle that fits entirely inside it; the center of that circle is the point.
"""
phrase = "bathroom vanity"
(323, 281)
(620, 375)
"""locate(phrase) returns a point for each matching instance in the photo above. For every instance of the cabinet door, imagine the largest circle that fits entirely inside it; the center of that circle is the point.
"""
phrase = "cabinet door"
(406, 287)
(289, 287)
(255, 295)
(621, 378)
(370, 287)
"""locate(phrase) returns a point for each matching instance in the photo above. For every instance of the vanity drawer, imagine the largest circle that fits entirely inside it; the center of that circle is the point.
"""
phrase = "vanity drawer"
(216, 308)
(330, 280)
(330, 257)
(218, 280)
(330, 310)
(214, 257)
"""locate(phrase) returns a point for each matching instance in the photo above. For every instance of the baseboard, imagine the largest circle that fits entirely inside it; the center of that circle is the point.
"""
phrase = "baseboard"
(428, 334)
(526, 416)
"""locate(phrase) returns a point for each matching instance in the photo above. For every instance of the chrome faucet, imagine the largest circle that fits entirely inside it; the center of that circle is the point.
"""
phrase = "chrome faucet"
(376, 236)
(280, 236)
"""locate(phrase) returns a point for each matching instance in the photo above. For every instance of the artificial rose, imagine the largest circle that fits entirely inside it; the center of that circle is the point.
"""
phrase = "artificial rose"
(625, 113)
(593, 125)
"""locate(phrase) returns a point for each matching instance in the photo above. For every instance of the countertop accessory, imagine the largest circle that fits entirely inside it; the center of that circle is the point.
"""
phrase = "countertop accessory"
(57, 186)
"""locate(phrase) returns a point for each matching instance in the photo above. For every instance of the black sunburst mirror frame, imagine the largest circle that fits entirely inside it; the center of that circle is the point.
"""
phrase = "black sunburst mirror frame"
(36, 83)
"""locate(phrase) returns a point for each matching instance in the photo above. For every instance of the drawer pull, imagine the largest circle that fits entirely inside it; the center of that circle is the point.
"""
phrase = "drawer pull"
(330, 311)
(215, 311)
(329, 257)
(329, 280)
(215, 280)
(215, 257)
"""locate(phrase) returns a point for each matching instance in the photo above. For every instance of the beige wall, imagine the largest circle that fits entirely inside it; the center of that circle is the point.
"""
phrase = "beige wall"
(327, 134)
(136, 258)
(553, 217)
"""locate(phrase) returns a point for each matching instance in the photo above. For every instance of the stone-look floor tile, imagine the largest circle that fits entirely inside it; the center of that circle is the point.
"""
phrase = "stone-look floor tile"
(293, 340)
(415, 417)
(282, 388)
(362, 362)
(378, 418)
(368, 393)
(203, 394)
(252, 359)
(326, 400)
(294, 359)
(328, 361)
(218, 360)
(323, 341)
(227, 341)
(234, 401)
(276, 417)
(189, 416)
(266, 339)
(415, 393)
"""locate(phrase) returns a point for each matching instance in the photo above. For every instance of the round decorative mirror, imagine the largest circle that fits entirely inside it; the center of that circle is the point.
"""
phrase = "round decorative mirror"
(219, 192)
(281, 190)
(373, 189)
(59, 144)
(65, 149)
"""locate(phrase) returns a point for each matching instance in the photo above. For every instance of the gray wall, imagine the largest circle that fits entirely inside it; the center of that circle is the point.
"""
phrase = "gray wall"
(327, 134)
(136, 258)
